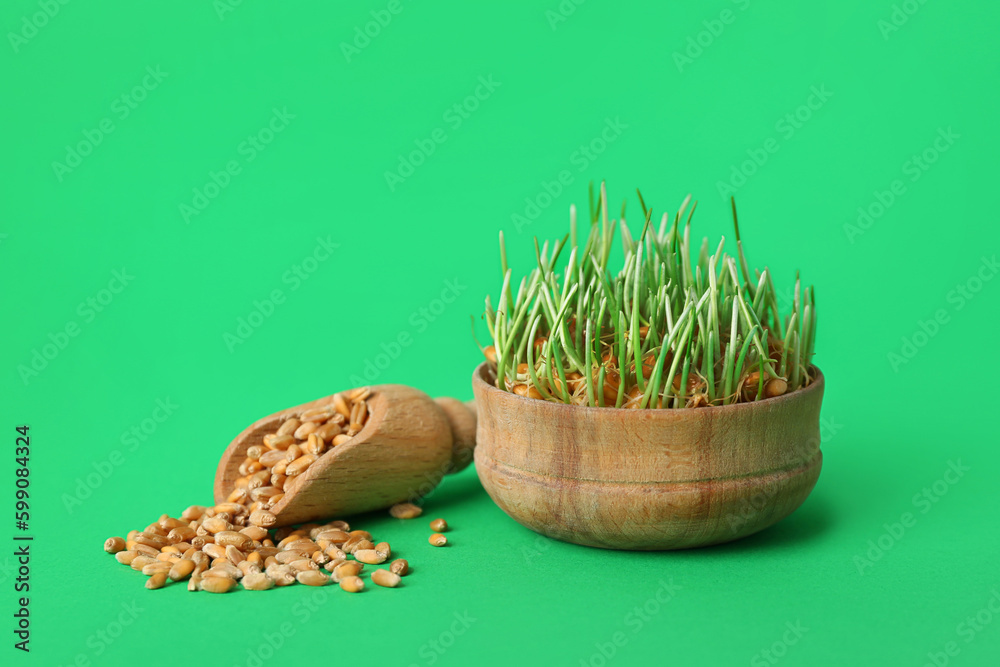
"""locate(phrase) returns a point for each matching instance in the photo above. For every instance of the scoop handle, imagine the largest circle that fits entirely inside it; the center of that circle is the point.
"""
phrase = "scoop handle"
(462, 417)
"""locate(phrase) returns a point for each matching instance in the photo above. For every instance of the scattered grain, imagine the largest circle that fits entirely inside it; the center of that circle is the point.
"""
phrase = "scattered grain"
(352, 584)
(217, 584)
(385, 578)
(405, 511)
(114, 544)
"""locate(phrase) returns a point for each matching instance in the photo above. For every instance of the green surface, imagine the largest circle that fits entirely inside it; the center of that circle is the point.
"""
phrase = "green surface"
(893, 427)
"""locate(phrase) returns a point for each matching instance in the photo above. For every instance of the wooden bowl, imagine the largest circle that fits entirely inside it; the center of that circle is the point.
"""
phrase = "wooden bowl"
(647, 479)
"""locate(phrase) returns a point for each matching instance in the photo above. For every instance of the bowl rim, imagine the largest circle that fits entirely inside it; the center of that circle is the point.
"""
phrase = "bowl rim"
(816, 386)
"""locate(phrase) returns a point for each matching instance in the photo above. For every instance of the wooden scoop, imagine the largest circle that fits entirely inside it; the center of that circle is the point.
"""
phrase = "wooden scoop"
(408, 444)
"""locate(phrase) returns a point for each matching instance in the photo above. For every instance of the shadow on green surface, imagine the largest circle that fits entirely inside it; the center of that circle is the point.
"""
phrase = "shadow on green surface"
(456, 490)
(807, 524)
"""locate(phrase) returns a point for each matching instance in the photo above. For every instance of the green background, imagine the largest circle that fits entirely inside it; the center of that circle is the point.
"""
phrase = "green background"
(891, 427)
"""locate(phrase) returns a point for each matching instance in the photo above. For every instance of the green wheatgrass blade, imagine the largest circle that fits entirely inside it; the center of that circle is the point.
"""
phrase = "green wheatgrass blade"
(649, 274)
(580, 305)
(521, 306)
(537, 280)
(572, 224)
(505, 268)
(531, 361)
(503, 355)
(505, 303)
(773, 300)
(675, 241)
(739, 248)
(599, 325)
(589, 373)
(733, 275)
(668, 312)
(702, 338)
(606, 242)
(709, 363)
(669, 257)
(547, 304)
(811, 342)
(725, 278)
(687, 274)
(620, 299)
(606, 288)
(719, 251)
(491, 318)
(560, 321)
(687, 244)
(713, 303)
(792, 324)
(626, 282)
(649, 339)
(604, 210)
(542, 255)
(679, 351)
(623, 354)
(652, 387)
(807, 317)
(680, 399)
(738, 371)
(593, 242)
(655, 378)
(759, 300)
(549, 363)
(661, 234)
(634, 326)
(557, 250)
(519, 299)
(657, 246)
(689, 312)
(645, 211)
(793, 383)
(525, 342)
(683, 207)
(503, 255)
(656, 329)
(600, 386)
(569, 273)
(796, 305)
(730, 361)
(703, 257)
(628, 243)
(760, 380)
(751, 320)
(803, 323)
(557, 361)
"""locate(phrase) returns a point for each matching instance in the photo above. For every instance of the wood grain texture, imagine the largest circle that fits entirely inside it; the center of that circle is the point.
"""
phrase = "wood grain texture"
(647, 479)
(402, 452)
